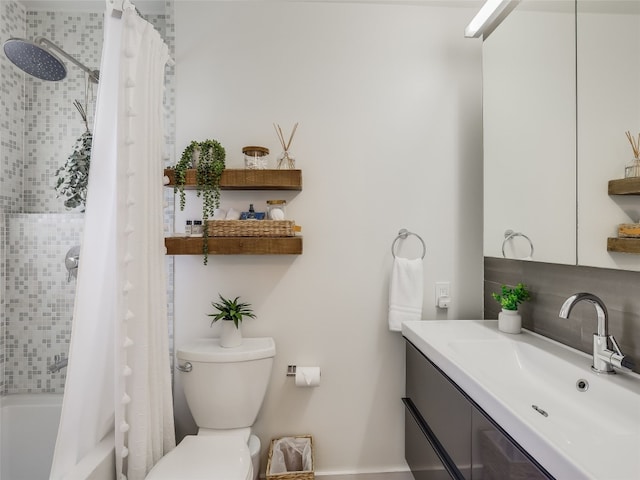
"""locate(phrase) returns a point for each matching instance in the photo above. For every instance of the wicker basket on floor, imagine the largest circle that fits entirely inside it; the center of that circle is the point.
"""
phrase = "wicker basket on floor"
(298, 475)
(251, 228)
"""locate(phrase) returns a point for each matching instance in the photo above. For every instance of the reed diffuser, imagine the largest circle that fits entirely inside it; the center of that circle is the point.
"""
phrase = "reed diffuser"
(632, 169)
(285, 160)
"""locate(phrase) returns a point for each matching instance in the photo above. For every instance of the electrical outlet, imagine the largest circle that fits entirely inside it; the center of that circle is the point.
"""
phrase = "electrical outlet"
(443, 294)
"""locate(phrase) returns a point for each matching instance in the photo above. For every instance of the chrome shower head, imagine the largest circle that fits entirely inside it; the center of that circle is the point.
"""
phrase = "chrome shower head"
(37, 59)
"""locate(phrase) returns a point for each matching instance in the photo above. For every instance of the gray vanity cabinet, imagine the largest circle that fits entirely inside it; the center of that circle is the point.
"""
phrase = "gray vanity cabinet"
(447, 436)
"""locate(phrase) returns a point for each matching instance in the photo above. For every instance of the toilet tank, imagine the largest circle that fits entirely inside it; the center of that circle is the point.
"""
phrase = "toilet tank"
(226, 386)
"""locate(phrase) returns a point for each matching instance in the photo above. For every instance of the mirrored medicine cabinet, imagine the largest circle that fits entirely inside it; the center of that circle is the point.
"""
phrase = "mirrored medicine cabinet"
(561, 86)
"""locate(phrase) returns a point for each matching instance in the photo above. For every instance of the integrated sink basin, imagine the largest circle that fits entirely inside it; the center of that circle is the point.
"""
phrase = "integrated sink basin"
(576, 423)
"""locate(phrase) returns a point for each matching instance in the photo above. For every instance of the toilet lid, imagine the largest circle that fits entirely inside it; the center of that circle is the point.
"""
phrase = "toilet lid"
(200, 457)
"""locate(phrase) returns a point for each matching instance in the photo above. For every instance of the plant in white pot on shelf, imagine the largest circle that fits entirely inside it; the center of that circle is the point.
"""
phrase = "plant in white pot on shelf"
(509, 320)
(231, 312)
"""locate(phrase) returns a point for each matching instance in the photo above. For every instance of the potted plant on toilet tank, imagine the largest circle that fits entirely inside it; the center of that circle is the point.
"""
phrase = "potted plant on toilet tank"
(509, 320)
(231, 312)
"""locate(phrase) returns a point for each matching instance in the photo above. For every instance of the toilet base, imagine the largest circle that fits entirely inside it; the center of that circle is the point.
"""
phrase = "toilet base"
(254, 450)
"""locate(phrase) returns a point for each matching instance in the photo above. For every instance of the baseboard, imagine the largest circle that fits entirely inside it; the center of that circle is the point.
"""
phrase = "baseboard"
(405, 475)
(368, 476)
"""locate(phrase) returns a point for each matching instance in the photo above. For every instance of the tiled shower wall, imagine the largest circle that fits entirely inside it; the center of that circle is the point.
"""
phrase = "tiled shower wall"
(551, 285)
(12, 114)
(39, 125)
(39, 299)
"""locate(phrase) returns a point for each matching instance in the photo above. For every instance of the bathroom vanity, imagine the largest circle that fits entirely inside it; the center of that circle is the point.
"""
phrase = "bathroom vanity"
(447, 436)
(482, 404)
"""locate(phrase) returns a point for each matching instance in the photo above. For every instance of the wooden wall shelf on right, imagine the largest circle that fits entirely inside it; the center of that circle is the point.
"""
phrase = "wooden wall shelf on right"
(625, 186)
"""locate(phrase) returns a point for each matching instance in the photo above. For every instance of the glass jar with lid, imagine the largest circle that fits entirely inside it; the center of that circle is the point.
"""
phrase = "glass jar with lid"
(276, 209)
(255, 158)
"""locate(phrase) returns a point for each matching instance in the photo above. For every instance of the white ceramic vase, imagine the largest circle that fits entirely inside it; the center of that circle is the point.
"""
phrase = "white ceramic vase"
(230, 336)
(509, 321)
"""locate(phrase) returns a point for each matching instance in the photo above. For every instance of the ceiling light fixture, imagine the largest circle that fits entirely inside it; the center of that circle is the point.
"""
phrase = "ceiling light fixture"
(489, 17)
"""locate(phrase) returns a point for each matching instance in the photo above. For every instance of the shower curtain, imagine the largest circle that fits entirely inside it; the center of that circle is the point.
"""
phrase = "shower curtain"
(118, 378)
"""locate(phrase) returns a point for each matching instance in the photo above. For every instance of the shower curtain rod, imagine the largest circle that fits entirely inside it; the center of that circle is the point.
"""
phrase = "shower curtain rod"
(117, 7)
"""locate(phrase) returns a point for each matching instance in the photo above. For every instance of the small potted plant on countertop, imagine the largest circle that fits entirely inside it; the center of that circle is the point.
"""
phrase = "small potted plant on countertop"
(231, 312)
(509, 320)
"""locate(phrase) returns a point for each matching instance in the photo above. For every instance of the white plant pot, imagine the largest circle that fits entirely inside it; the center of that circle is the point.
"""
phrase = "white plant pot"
(509, 321)
(230, 336)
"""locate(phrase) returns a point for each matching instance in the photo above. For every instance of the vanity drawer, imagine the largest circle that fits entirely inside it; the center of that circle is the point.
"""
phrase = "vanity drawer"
(443, 407)
(425, 458)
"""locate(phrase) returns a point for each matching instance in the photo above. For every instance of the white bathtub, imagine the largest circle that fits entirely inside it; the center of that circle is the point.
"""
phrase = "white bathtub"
(28, 429)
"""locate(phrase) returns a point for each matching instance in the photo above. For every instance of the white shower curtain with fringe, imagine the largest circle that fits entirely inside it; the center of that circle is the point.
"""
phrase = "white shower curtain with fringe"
(118, 378)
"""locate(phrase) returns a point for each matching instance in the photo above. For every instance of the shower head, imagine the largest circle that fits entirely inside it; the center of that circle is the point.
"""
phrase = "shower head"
(38, 59)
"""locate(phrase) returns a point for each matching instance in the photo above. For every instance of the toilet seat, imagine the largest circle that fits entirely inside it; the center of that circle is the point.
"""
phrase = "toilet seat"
(200, 457)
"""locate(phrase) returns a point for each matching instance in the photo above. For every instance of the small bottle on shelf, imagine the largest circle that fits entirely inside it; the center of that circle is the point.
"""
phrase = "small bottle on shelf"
(197, 229)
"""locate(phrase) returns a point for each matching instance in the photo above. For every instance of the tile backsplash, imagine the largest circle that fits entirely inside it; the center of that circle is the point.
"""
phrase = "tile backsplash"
(552, 284)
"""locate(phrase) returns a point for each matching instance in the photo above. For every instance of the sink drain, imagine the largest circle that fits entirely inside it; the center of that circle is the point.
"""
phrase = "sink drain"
(582, 385)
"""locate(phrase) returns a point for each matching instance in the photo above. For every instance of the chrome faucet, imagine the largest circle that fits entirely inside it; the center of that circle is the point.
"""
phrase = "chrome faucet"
(59, 362)
(604, 359)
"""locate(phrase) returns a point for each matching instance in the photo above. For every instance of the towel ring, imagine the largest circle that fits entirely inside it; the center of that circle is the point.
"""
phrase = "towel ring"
(403, 234)
(509, 235)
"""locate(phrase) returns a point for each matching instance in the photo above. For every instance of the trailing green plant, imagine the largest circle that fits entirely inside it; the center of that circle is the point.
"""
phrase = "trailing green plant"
(231, 310)
(511, 297)
(209, 168)
(73, 176)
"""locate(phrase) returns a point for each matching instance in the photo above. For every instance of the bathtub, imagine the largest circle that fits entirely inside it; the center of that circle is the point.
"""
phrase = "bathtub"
(28, 429)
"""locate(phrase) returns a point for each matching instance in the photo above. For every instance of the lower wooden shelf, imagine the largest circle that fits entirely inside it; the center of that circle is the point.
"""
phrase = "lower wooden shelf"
(235, 245)
(623, 245)
(625, 186)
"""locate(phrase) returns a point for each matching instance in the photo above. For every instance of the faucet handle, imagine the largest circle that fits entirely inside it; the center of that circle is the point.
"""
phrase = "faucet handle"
(618, 359)
(615, 345)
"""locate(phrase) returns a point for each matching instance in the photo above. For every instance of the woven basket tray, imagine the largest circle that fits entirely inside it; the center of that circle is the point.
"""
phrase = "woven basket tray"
(301, 475)
(251, 228)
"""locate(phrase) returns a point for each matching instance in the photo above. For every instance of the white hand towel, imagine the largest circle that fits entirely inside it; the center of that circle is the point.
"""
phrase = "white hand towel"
(405, 292)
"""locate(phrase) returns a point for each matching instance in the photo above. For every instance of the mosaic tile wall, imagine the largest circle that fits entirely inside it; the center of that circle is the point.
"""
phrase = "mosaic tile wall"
(12, 24)
(39, 299)
(3, 323)
(35, 228)
(52, 122)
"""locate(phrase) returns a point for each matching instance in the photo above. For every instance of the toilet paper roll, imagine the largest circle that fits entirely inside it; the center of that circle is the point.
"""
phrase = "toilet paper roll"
(307, 376)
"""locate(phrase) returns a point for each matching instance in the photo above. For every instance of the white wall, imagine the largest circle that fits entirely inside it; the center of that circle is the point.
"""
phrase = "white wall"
(389, 103)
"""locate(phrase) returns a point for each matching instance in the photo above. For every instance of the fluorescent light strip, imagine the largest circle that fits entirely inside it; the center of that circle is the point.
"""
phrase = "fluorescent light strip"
(489, 17)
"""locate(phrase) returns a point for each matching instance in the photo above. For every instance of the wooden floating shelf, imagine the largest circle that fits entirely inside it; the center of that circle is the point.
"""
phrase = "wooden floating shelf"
(623, 245)
(625, 186)
(243, 179)
(235, 245)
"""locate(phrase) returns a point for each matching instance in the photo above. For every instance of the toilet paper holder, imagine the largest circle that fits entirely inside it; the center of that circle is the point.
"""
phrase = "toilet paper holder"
(304, 376)
(291, 370)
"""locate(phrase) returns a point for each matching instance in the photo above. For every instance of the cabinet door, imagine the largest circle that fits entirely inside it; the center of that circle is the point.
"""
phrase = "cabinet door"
(497, 457)
(445, 410)
(420, 454)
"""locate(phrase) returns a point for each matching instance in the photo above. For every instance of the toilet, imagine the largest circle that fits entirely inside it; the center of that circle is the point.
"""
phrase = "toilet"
(224, 388)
